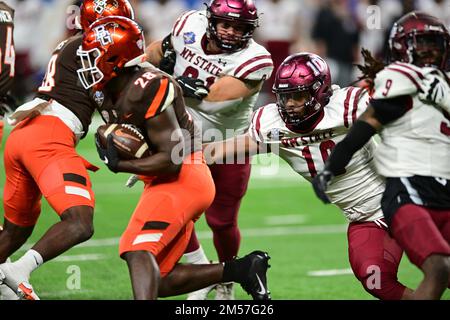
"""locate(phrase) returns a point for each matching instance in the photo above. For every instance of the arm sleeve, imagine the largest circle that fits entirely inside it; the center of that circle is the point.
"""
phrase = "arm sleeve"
(388, 110)
(356, 138)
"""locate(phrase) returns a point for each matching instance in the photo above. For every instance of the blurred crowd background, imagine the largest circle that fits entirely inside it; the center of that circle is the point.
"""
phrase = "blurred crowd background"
(334, 29)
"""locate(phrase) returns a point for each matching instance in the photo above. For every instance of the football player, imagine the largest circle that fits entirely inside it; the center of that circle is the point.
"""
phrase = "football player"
(7, 63)
(309, 118)
(7, 103)
(221, 69)
(178, 183)
(40, 159)
(409, 112)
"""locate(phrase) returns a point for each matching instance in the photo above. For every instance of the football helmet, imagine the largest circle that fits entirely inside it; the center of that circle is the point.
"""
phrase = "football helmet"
(91, 10)
(420, 39)
(109, 45)
(242, 11)
(302, 76)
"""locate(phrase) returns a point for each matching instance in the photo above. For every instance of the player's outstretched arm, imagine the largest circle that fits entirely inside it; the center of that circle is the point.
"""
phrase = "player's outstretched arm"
(154, 52)
(359, 134)
(225, 93)
(227, 150)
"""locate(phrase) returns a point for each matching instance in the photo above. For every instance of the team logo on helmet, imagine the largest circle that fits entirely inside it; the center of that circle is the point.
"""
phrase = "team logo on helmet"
(189, 37)
(102, 35)
(99, 6)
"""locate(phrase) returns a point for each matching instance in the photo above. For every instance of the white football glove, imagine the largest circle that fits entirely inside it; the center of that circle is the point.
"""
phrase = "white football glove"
(436, 91)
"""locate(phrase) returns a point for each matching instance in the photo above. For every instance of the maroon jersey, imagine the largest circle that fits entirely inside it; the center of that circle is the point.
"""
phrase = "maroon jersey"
(148, 93)
(61, 82)
(7, 54)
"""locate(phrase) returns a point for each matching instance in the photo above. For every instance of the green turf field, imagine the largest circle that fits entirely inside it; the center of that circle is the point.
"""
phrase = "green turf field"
(279, 214)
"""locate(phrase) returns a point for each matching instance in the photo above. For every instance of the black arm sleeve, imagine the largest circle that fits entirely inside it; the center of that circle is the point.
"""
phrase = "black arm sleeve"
(388, 110)
(356, 138)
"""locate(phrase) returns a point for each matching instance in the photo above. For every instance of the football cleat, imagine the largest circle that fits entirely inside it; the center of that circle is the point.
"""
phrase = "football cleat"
(18, 283)
(25, 292)
(225, 291)
(6, 293)
(255, 280)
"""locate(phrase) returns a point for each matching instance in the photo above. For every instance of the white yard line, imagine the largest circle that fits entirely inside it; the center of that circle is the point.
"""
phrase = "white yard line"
(285, 219)
(329, 273)
(64, 293)
(80, 257)
(250, 233)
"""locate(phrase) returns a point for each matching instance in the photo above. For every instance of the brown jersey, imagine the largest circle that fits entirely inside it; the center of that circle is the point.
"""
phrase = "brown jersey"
(7, 55)
(149, 92)
(61, 82)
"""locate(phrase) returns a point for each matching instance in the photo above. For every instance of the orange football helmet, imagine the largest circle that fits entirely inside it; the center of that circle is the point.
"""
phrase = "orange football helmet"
(109, 45)
(91, 10)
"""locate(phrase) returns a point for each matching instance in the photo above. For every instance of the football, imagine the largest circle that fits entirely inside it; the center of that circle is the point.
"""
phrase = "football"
(129, 141)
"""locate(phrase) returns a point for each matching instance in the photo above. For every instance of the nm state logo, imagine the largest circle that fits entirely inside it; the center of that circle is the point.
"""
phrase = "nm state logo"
(99, 98)
(189, 37)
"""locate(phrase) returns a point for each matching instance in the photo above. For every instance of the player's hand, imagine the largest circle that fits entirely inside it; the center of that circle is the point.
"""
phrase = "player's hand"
(320, 184)
(7, 105)
(108, 155)
(167, 63)
(436, 91)
(193, 88)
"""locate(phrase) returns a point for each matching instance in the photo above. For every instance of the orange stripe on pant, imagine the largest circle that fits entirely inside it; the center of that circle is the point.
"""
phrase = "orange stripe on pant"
(39, 156)
(172, 208)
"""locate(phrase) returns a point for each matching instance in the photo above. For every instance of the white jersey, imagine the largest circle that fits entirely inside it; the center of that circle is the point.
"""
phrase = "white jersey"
(418, 143)
(192, 59)
(357, 192)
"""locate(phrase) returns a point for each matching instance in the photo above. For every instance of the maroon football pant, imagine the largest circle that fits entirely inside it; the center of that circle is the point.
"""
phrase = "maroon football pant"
(421, 232)
(231, 181)
(374, 257)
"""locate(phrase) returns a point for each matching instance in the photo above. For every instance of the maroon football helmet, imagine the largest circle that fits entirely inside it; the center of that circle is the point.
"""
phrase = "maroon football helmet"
(302, 75)
(109, 45)
(242, 11)
(92, 10)
(421, 39)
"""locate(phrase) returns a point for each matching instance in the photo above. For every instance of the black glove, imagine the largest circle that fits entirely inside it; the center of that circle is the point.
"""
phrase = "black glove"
(167, 63)
(108, 155)
(7, 104)
(320, 184)
(193, 88)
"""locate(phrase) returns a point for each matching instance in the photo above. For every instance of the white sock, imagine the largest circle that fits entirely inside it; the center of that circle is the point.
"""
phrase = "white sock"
(29, 262)
(197, 257)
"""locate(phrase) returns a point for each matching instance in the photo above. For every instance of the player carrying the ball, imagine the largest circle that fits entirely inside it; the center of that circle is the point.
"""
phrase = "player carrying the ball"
(178, 183)
(41, 160)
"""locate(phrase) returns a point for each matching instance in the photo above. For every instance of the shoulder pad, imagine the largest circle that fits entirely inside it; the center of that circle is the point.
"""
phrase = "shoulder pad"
(255, 63)
(151, 96)
(181, 22)
(263, 121)
(397, 79)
